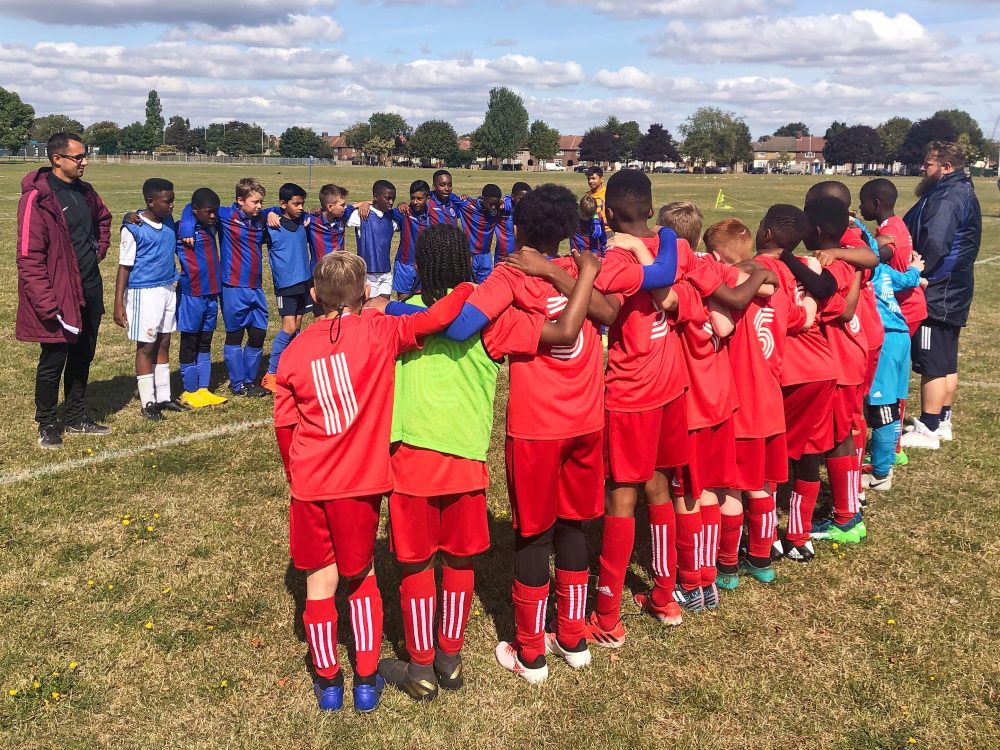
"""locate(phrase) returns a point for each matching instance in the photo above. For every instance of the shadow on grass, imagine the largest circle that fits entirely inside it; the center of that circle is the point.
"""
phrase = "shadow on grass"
(108, 397)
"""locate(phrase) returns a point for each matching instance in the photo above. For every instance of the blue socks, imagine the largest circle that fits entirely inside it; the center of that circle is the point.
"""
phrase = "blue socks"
(204, 369)
(233, 354)
(932, 421)
(883, 448)
(251, 363)
(189, 376)
(281, 341)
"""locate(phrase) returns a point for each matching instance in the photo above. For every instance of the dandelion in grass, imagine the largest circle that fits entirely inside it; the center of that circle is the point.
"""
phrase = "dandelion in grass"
(148, 625)
(73, 665)
(12, 692)
(890, 622)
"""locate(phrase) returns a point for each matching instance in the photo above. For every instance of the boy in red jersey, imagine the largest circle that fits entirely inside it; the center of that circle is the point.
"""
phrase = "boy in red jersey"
(334, 381)
(554, 421)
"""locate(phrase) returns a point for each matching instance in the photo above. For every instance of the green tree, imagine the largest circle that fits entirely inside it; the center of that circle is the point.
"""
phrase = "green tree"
(792, 130)
(505, 127)
(235, 138)
(390, 126)
(45, 127)
(629, 134)
(922, 132)
(104, 136)
(16, 119)
(966, 125)
(893, 132)
(657, 145)
(710, 134)
(357, 135)
(137, 138)
(380, 148)
(154, 115)
(858, 144)
(433, 139)
(300, 143)
(543, 142)
(598, 145)
(179, 134)
(835, 127)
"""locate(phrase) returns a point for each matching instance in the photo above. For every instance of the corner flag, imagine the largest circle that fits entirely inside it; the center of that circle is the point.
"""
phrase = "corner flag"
(720, 201)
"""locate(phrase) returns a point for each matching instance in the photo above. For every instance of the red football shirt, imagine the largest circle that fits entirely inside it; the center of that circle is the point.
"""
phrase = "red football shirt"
(808, 358)
(912, 302)
(867, 310)
(335, 387)
(645, 365)
(846, 337)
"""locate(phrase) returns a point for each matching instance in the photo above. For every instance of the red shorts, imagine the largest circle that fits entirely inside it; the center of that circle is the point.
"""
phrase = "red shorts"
(638, 443)
(760, 460)
(712, 461)
(339, 531)
(550, 479)
(808, 418)
(870, 367)
(845, 407)
(420, 527)
(423, 472)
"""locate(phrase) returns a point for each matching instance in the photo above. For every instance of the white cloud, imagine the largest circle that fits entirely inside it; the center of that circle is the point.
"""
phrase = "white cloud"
(134, 12)
(479, 72)
(293, 31)
(687, 8)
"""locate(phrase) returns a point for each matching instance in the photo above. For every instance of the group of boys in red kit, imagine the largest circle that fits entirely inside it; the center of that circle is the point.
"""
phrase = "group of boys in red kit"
(729, 374)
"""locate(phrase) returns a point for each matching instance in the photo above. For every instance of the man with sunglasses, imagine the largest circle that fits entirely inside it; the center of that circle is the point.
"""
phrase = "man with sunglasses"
(63, 232)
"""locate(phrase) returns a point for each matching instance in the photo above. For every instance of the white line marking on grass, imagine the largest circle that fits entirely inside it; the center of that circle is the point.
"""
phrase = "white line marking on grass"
(991, 259)
(978, 383)
(80, 463)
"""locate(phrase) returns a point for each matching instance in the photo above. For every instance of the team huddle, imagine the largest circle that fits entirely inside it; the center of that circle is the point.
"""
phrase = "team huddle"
(731, 376)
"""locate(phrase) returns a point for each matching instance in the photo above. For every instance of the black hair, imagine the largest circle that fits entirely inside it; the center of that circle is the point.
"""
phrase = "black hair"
(629, 193)
(443, 261)
(520, 187)
(830, 215)
(381, 186)
(594, 170)
(155, 185)
(439, 173)
(492, 191)
(204, 196)
(290, 190)
(59, 141)
(420, 186)
(830, 189)
(882, 189)
(547, 215)
(788, 224)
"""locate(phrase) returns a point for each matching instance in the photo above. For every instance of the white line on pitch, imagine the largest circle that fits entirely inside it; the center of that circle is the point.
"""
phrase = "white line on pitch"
(978, 384)
(80, 463)
(991, 259)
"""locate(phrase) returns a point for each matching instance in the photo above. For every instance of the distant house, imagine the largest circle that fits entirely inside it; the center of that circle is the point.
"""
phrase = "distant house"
(569, 150)
(803, 154)
(338, 146)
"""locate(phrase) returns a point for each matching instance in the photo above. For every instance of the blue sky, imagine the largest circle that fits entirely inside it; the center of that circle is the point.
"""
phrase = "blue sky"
(329, 64)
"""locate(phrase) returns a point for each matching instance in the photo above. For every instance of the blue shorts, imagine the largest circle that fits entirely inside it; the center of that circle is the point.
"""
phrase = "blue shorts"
(243, 308)
(197, 314)
(294, 300)
(482, 266)
(892, 376)
(404, 278)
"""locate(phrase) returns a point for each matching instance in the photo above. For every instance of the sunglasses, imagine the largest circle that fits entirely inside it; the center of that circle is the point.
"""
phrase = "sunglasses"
(78, 158)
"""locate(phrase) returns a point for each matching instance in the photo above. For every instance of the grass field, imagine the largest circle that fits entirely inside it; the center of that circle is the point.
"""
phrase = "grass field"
(147, 599)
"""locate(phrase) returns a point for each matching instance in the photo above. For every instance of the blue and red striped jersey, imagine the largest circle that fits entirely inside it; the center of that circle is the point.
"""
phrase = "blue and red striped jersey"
(504, 230)
(478, 224)
(327, 236)
(590, 237)
(241, 248)
(410, 228)
(199, 264)
(442, 212)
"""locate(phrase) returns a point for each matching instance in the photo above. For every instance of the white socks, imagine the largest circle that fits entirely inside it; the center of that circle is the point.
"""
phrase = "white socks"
(161, 376)
(147, 393)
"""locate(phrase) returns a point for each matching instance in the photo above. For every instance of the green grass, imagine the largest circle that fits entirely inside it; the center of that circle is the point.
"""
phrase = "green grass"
(810, 661)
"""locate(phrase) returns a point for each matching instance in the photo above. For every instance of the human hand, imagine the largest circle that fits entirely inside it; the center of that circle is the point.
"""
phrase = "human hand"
(132, 217)
(273, 221)
(916, 261)
(586, 262)
(120, 318)
(824, 257)
(530, 262)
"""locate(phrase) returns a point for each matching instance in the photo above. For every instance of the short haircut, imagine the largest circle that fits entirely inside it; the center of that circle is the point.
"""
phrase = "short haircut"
(339, 280)
(155, 185)
(380, 186)
(881, 189)
(946, 152)
(204, 196)
(788, 225)
(330, 191)
(420, 186)
(588, 207)
(629, 192)
(443, 261)
(594, 170)
(685, 218)
(730, 239)
(59, 141)
(547, 215)
(439, 173)
(492, 191)
(290, 190)
(520, 187)
(829, 215)
(830, 189)
(249, 185)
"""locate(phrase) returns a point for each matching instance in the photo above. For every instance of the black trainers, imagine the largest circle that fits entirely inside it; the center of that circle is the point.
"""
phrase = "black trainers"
(87, 426)
(151, 412)
(448, 668)
(172, 405)
(49, 436)
(418, 682)
(256, 391)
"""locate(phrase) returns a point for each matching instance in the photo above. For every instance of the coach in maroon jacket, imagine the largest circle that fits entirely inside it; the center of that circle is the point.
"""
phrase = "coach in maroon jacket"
(63, 232)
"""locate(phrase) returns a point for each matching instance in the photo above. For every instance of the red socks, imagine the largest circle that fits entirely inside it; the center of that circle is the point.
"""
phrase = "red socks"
(617, 542)
(843, 473)
(663, 527)
(320, 621)
(529, 619)
(902, 413)
(571, 606)
(801, 505)
(417, 592)
(689, 551)
(456, 601)
(731, 532)
(365, 601)
(762, 526)
(710, 522)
